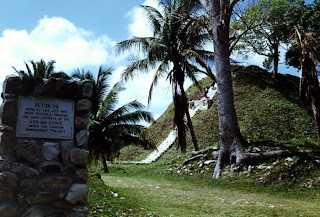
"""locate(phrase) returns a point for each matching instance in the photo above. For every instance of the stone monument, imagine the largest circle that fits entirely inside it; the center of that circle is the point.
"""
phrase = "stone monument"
(43, 156)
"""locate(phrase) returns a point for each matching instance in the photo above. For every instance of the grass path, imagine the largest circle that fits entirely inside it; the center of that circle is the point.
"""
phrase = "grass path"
(163, 197)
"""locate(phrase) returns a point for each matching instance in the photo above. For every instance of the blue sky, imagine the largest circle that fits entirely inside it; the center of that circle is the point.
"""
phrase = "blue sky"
(77, 34)
(99, 16)
(80, 34)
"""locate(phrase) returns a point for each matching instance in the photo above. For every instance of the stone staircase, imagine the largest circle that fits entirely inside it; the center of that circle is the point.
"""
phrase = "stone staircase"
(201, 104)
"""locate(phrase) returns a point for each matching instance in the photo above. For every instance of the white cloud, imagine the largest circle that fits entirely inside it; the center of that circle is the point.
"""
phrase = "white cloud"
(54, 38)
(138, 88)
(140, 25)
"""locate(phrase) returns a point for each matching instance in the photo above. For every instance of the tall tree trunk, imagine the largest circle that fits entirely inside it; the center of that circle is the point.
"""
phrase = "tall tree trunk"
(189, 122)
(275, 59)
(231, 140)
(179, 111)
(104, 163)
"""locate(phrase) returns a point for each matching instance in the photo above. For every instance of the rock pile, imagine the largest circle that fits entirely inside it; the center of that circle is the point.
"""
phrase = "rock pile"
(42, 176)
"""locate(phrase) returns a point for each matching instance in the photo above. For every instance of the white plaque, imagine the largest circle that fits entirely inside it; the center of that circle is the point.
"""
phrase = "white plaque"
(45, 118)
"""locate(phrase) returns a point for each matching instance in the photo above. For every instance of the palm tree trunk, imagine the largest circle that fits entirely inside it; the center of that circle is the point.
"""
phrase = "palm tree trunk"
(179, 111)
(189, 122)
(104, 163)
(310, 89)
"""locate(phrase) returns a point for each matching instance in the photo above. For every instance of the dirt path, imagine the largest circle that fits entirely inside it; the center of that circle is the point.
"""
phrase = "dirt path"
(182, 198)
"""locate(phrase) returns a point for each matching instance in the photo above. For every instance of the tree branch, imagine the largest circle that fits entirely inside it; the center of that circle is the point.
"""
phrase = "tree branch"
(233, 3)
(235, 40)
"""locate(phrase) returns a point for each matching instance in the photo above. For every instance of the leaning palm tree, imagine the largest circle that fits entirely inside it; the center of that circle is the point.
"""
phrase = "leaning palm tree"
(41, 69)
(111, 128)
(176, 52)
(309, 53)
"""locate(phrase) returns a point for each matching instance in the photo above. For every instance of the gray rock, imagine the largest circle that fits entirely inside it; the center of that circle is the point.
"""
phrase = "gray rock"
(34, 212)
(83, 105)
(56, 182)
(8, 211)
(6, 128)
(81, 122)
(28, 183)
(82, 138)
(4, 164)
(6, 195)
(289, 159)
(87, 88)
(11, 84)
(9, 112)
(20, 199)
(207, 162)
(78, 214)
(77, 194)
(82, 209)
(8, 179)
(256, 149)
(66, 146)
(68, 89)
(24, 171)
(10, 96)
(50, 150)
(58, 214)
(7, 148)
(28, 150)
(69, 170)
(44, 197)
(79, 156)
(83, 174)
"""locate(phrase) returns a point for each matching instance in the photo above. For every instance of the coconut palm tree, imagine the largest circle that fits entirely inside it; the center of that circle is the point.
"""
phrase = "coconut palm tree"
(41, 69)
(175, 51)
(112, 128)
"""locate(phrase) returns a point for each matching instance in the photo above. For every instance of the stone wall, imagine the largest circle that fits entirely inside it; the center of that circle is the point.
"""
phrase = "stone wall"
(41, 176)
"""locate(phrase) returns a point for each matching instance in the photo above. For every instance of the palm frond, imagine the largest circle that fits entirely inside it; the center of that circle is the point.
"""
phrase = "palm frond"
(29, 70)
(108, 104)
(155, 18)
(198, 58)
(162, 68)
(118, 117)
(140, 44)
(21, 73)
(144, 65)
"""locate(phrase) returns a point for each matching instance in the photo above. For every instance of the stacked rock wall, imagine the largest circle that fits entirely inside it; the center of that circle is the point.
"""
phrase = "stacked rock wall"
(44, 176)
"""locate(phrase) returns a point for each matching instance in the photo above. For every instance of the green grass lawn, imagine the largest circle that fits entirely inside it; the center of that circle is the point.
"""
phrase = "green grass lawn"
(146, 190)
(270, 118)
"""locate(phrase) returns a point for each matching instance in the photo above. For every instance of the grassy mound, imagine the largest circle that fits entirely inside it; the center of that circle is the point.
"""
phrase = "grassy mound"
(270, 118)
(268, 112)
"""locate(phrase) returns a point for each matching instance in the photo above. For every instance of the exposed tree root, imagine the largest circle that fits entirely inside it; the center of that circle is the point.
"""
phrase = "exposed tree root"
(204, 151)
(244, 159)
(193, 158)
(255, 158)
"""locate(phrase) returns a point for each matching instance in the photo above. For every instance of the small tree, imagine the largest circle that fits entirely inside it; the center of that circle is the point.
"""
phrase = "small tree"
(273, 21)
(41, 69)
(111, 128)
